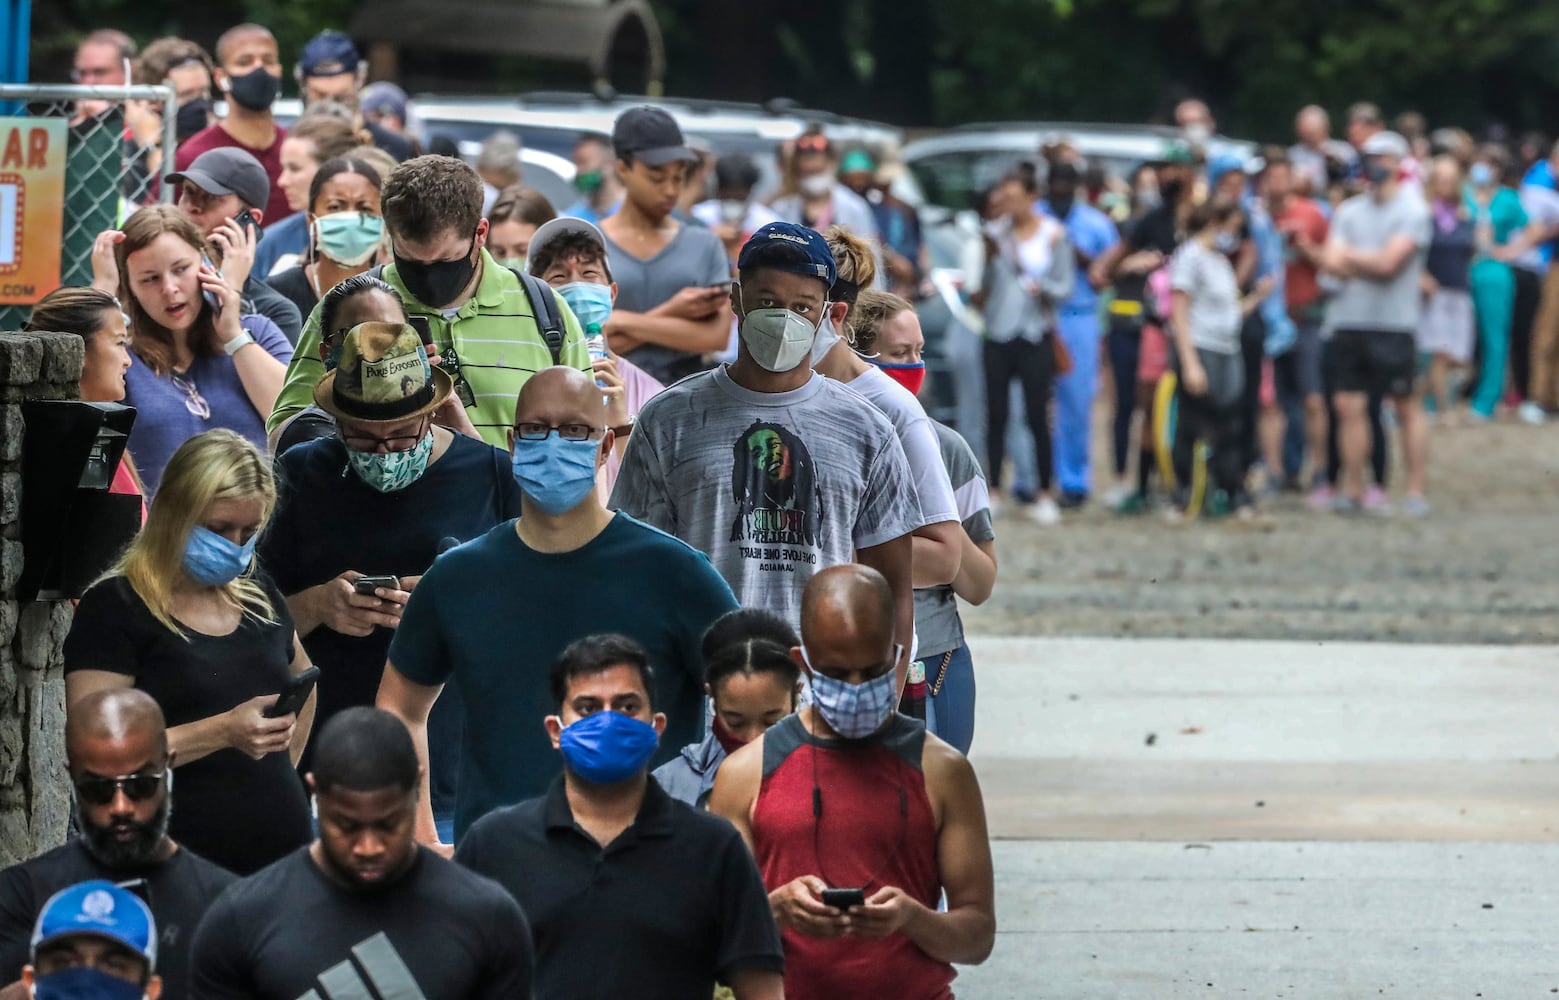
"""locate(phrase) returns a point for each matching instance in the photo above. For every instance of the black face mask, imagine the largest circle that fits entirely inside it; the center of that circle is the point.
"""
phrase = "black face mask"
(436, 283)
(1171, 190)
(255, 90)
(192, 117)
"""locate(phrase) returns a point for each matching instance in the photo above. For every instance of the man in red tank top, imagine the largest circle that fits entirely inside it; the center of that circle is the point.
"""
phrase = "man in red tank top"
(849, 795)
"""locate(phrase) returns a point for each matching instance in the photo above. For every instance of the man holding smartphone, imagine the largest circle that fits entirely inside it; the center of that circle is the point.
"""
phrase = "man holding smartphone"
(860, 819)
(348, 550)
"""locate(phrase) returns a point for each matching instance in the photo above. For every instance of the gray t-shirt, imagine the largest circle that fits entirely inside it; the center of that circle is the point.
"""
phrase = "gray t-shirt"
(1208, 278)
(771, 486)
(695, 258)
(1363, 223)
(910, 423)
(936, 608)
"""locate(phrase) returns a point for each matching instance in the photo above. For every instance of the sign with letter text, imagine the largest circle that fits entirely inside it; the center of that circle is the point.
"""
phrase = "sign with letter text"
(32, 207)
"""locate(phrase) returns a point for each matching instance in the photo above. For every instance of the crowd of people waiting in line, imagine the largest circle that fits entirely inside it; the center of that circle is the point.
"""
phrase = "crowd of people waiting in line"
(493, 642)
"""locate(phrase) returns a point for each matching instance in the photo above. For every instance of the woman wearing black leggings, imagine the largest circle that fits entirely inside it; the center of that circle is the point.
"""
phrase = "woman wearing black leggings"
(1029, 267)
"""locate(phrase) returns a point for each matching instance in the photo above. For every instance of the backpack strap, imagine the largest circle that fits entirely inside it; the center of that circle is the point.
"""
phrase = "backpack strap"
(543, 306)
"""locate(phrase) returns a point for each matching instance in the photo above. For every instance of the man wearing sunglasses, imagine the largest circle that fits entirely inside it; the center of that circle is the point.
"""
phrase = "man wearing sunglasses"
(492, 616)
(117, 749)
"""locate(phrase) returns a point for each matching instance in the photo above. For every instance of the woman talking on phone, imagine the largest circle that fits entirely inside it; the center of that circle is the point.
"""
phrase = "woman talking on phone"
(187, 617)
(198, 363)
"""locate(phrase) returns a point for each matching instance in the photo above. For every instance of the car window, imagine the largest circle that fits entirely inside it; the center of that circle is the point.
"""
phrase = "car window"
(955, 179)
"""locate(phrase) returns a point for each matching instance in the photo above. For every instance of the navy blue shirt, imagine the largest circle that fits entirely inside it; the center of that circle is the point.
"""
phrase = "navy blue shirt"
(491, 617)
(328, 521)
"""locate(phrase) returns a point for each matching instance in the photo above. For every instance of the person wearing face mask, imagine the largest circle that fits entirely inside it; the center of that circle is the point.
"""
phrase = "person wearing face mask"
(512, 223)
(479, 316)
(570, 255)
(1207, 312)
(673, 889)
(768, 467)
(752, 683)
(886, 326)
(248, 73)
(1143, 251)
(384, 917)
(120, 768)
(93, 941)
(184, 66)
(600, 192)
(1376, 249)
(733, 214)
(414, 489)
(818, 199)
(312, 140)
(1498, 221)
(330, 69)
(488, 616)
(345, 231)
(188, 617)
(847, 794)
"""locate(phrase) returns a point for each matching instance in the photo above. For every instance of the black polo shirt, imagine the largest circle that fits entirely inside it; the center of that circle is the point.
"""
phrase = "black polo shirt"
(674, 903)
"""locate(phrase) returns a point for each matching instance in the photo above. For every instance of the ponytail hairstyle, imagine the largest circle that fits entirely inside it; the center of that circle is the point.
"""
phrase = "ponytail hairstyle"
(217, 465)
(855, 264)
(872, 311)
(750, 641)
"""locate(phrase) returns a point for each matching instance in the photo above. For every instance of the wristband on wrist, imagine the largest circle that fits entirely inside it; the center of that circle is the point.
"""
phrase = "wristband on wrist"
(239, 342)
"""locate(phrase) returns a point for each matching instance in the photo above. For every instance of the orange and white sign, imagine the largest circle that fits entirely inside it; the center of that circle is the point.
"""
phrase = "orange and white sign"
(32, 207)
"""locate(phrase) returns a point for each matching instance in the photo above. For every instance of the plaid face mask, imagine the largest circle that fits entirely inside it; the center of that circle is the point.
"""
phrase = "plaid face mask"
(854, 711)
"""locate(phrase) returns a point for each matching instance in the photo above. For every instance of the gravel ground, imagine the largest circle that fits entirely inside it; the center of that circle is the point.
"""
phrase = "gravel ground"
(1483, 568)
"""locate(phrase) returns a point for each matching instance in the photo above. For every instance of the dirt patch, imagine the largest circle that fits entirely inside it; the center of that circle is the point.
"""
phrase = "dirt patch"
(1483, 568)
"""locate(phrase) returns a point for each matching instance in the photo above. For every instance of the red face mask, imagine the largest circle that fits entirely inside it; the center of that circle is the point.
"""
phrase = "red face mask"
(911, 377)
(728, 739)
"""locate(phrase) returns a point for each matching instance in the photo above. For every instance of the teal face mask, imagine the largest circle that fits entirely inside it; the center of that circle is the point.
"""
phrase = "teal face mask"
(591, 303)
(348, 238)
(515, 263)
(391, 471)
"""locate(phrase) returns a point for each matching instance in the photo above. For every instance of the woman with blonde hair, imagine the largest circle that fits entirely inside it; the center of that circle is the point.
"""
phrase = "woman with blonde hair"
(187, 617)
(891, 388)
(199, 363)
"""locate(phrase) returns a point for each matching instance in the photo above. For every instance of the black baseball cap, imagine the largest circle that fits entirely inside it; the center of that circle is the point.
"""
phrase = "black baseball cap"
(651, 135)
(228, 170)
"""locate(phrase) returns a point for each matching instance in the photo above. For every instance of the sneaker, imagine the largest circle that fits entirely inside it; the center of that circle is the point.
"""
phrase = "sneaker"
(1376, 502)
(1346, 505)
(1532, 413)
(1073, 500)
(1133, 504)
(1045, 512)
(1414, 505)
(1322, 498)
(1116, 495)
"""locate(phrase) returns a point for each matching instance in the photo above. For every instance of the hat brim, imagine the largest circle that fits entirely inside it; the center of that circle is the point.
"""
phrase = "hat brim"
(662, 155)
(325, 399)
(563, 225)
(202, 180)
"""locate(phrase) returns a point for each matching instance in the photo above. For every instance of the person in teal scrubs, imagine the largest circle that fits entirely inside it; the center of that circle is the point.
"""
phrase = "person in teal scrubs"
(1498, 217)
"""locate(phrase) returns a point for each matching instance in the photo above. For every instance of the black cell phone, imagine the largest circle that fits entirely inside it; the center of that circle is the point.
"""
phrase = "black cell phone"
(211, 297)
(424, 329)
(247, 221)
(292, 697)
(843, 899)
(366, 585)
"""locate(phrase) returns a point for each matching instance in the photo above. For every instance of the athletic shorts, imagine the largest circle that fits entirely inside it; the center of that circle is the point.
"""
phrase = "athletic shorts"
(1153, 356)
(1374, 361)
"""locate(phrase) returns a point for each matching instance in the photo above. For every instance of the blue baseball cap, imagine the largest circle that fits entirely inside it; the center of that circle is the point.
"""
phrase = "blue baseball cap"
(329, 53)
(102, 909)
(785, 246)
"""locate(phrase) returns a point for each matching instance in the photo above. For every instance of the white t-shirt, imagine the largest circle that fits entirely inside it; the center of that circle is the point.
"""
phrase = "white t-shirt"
(1208, 278)
(918, 436)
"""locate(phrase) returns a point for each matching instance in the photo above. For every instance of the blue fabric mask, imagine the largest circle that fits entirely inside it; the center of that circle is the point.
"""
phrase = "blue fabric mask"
(591, 302)
(81, 983)
(213, 561)
(608, 747)
(556, 474)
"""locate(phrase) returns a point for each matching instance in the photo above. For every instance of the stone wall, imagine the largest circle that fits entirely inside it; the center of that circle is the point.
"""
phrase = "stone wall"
(34, 792)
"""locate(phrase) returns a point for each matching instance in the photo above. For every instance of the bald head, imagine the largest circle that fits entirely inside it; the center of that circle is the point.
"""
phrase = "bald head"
(118, 716)
(849, 600)
(1313, 125)
(560, 395)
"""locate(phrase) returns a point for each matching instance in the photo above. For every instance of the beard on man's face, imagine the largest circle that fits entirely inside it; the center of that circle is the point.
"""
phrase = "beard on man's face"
(125, 843)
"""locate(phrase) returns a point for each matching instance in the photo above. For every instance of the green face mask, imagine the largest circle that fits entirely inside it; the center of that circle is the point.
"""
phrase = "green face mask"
(588, 182)
(515, 263)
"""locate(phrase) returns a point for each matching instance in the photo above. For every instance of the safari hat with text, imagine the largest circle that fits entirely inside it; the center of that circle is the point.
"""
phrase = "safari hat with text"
(383, 375)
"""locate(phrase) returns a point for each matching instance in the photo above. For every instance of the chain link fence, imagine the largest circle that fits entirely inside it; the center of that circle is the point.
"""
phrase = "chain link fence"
(119, 143)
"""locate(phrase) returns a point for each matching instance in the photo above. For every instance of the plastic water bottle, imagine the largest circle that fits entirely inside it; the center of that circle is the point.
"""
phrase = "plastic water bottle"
(595, 341)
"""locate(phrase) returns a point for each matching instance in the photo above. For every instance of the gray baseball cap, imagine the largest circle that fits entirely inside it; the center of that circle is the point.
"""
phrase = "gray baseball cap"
(229, 171)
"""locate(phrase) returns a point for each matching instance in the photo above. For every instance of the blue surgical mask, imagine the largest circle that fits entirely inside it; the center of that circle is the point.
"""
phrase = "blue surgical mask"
(83, 983)
(392, 471)
(608, 747)
(555, 473)
(1226, 243)
(213, 561)
(854, 711)
(1481, 175)
(591, 302)
(348, 238)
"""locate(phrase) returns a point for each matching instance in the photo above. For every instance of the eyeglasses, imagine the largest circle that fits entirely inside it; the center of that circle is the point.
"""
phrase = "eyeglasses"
(98, 791)
(368, 442)
(568, 432)
(194, 402)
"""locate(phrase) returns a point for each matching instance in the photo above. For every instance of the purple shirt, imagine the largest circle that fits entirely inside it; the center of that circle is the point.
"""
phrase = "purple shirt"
(163, 421)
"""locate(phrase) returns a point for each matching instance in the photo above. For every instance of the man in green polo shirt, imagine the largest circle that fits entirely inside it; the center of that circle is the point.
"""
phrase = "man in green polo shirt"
(477, 310)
